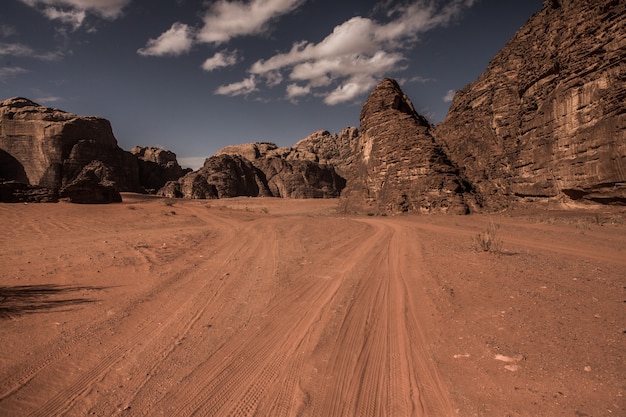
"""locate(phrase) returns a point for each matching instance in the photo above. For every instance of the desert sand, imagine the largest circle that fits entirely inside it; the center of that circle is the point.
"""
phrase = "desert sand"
(271, 307)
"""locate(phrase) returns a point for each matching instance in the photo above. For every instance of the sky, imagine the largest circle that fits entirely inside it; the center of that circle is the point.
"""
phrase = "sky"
(195, 76)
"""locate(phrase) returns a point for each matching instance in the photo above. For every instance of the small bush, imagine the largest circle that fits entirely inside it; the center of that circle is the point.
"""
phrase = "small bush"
(488, 241)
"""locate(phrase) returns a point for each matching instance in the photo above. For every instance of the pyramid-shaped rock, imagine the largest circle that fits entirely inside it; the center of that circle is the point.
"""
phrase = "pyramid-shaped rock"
(398, 165)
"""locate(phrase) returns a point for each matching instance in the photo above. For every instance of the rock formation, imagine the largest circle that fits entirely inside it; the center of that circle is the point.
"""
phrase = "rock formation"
(48, 149)
(94, 184)
(259, 169)
(221, 176)
(156, 167)
(547, 120)
(397, 165)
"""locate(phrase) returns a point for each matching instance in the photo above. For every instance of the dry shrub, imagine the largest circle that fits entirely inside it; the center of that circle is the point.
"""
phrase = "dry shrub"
(488, 240)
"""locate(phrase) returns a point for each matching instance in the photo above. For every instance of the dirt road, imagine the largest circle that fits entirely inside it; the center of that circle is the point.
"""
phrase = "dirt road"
(284, 308)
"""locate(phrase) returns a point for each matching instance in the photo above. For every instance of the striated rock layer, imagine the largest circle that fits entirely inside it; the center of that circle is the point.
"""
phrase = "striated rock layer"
(395, 163)
(48, 149)
(547, 120)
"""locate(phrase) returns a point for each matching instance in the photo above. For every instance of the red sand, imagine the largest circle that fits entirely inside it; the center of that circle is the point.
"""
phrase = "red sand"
(273, 307)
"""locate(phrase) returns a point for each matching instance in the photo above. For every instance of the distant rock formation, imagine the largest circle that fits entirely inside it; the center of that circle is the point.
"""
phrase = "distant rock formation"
(259, 169)
(392, 163)
(547, 120)
(221, 176)
(157, 166)
(47, 149)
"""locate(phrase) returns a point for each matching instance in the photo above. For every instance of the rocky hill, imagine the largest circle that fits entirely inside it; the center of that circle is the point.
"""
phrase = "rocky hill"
(259, 169)
(547, 120)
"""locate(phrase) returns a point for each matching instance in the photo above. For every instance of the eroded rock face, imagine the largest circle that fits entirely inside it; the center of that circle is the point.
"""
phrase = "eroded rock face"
(259, 169)
(397, 165)
(48, 148)
(93, 185)
(157, 166)
(221, 176)
(547, 120)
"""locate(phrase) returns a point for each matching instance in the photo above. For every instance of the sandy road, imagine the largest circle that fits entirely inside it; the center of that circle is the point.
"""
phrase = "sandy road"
(196, 310)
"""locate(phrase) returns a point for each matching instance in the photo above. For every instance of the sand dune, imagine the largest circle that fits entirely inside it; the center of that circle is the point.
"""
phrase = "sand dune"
(273, 307)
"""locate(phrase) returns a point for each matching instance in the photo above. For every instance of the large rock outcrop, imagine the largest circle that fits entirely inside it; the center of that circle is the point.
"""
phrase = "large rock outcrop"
(157, 166)
(259, 169)
(48, 148)
(547, 120)
(397, 165)
(221, 176)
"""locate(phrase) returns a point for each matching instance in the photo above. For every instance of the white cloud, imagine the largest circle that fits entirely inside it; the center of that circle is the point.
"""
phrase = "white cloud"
(175, 41)
(295, 90)
(220, 60)
(108, 9)
(47, 99)
(228, 19)
(244, 87)
(74, 17)
(350, 90)
(19, 49)
(449, 96)
(6, 72)
(359, 51)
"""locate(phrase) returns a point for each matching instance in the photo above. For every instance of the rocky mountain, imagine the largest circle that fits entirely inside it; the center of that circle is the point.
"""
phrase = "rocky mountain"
(547, 120)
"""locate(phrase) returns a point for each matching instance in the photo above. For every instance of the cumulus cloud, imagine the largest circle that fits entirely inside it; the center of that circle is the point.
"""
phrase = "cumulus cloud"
(175, 41)
(225, 19)
(294, 91)
(358, 52)
(108, 9)
(449, 96)
(220, 60)
(240, 88)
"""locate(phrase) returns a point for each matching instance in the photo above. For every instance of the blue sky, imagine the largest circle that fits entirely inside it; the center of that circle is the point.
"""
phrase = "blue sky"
(195, 76)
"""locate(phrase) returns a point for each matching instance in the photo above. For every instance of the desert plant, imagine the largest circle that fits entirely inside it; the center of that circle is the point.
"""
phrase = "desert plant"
(488, 240)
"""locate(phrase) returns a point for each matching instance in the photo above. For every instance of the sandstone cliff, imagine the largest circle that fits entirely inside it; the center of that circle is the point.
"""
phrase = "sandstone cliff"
(547, 120)
(48, 149)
